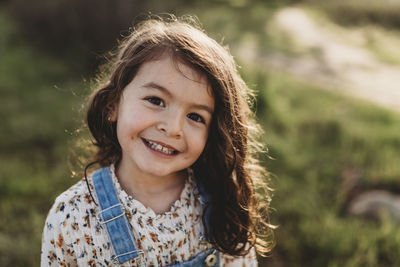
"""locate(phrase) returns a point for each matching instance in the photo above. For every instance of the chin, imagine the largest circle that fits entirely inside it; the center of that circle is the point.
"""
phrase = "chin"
(158, 171)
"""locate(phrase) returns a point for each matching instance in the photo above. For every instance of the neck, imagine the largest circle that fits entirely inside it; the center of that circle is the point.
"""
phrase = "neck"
(155, 192)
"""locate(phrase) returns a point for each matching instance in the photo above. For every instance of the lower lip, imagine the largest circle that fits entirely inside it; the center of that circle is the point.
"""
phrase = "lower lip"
(159, 153)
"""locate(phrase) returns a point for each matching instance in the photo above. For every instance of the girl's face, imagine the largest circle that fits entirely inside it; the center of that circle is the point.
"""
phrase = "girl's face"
(163, 118)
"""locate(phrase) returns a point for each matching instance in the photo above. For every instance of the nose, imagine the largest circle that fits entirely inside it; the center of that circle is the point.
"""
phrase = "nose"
(172, 125)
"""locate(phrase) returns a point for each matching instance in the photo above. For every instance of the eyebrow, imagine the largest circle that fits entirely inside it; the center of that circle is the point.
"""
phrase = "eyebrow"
(152, 85)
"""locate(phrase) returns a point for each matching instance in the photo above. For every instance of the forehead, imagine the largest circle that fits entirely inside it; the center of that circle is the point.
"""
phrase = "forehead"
(169, 63)
(174, 78)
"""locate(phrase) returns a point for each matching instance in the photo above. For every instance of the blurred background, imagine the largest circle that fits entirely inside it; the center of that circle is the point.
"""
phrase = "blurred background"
(327, 74)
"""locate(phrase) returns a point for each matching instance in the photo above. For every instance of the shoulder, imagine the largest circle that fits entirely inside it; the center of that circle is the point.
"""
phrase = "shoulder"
(73, 198)
(71, 228)
(72, 203)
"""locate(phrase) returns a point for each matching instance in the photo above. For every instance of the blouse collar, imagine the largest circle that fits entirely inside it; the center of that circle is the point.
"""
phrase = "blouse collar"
(188, 200)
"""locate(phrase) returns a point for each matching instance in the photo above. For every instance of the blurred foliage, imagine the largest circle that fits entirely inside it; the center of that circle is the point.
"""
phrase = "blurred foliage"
(315, 137)
(35, 114)
(81, 31)
(360, 12)
(49, 48)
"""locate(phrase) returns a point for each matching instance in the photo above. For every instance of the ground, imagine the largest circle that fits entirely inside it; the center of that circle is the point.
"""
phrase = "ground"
(348, 60)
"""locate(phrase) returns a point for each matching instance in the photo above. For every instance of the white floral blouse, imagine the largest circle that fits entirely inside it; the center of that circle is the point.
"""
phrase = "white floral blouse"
(72, 235)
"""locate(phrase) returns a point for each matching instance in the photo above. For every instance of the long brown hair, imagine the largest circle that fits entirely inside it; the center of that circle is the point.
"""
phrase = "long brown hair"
(228, 168)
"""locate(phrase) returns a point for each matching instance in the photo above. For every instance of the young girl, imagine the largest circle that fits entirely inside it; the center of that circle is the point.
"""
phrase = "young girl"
(176, 146)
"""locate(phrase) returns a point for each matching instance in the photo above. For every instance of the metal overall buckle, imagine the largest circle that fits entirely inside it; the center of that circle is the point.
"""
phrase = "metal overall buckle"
(100, 219)
(211, 259)
(139, 259)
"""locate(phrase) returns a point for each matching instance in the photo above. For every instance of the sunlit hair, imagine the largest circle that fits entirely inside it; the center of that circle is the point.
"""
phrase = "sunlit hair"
(228, 167)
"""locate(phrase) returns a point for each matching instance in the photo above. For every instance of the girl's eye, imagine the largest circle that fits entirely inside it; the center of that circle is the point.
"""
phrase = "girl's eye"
(155, 101)
(196, 117)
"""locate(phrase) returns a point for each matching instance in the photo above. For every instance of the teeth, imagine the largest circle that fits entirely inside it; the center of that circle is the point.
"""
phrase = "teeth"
(160, 148)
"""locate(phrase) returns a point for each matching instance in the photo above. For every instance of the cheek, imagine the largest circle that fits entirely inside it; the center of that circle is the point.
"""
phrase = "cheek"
(198, 142)
(133, 121)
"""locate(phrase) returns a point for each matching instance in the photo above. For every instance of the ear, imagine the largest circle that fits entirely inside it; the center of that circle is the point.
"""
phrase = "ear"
(112, 113)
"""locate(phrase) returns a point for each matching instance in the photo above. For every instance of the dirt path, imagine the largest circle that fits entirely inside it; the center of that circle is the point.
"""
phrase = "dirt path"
(335, 60)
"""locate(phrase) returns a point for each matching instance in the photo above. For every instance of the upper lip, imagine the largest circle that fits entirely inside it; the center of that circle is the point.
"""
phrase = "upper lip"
(162, 144)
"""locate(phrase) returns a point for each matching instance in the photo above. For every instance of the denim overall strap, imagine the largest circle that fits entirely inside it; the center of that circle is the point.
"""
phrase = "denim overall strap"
(212, 256)
(204, 199)
(112, 214)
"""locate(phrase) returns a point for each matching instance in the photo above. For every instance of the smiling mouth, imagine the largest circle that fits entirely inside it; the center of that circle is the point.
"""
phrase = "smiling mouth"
(160, 148)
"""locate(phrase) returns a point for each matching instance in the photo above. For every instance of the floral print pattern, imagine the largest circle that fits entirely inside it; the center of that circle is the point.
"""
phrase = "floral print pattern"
(72, 236)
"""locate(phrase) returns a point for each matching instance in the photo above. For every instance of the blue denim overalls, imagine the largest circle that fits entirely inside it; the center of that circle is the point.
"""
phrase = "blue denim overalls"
(112, 214)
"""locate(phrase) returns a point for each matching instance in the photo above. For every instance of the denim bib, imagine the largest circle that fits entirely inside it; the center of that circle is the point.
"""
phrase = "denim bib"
(112, 214)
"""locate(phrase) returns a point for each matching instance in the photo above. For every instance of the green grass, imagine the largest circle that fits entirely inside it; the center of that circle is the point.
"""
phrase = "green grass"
(38, 107)
(314, 136)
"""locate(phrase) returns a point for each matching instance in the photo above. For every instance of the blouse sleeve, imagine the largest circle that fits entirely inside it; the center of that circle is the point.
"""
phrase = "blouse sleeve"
(250, 260)
(55, 251)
